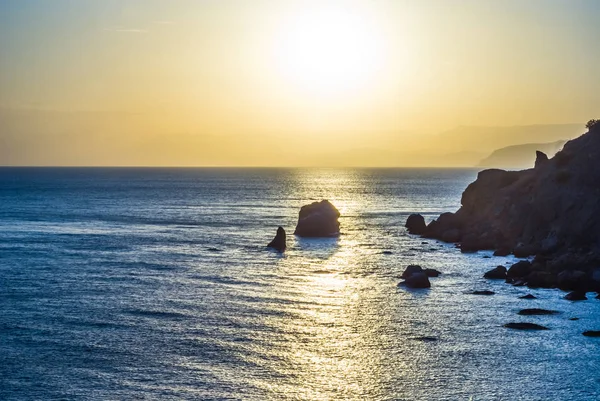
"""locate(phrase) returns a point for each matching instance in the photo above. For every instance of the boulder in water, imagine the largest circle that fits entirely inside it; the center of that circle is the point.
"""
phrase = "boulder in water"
(498, 273)
(318, 219)
(279, 242)
(415, 224)
(519, 269)
(569, 280)
(410, 270)
(528, 296)
(576, 296)
(482, 292)
(592, 333)
(537, 312)
(525, 326)
(417, 280)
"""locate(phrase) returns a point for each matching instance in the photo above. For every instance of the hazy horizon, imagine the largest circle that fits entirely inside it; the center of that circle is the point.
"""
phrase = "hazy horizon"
(291, 83)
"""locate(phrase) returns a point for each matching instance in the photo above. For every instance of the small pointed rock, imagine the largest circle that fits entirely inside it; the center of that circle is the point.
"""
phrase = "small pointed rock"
(279, 242)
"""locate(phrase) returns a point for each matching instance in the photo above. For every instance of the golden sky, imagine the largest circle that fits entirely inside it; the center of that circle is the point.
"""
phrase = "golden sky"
(112, 82)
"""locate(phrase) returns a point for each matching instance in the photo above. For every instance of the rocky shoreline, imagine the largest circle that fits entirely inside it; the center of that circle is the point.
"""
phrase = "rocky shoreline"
(549, 214)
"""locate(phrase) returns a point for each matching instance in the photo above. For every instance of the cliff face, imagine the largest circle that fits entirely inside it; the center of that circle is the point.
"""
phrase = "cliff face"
(551, 210)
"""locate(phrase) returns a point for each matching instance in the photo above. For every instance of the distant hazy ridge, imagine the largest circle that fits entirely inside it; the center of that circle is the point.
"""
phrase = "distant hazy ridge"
(520, 156)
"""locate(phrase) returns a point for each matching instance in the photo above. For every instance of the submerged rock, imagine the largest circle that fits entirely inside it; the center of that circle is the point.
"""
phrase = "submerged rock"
(318, 219)
(525, 326)
(415, 224)
(279, 242)
(576, 296)
(536, 312)
(498, 273)
(426, 338)
(592, 333)
(482, 292)
(528, 296)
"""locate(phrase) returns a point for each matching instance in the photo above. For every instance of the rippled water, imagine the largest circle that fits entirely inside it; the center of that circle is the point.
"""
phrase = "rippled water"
(155, 284)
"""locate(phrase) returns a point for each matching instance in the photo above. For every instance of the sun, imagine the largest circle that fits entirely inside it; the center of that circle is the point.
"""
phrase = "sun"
(329, 50)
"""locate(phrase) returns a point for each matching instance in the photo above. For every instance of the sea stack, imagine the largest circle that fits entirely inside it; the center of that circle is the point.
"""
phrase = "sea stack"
(278, 242)
(318, 219)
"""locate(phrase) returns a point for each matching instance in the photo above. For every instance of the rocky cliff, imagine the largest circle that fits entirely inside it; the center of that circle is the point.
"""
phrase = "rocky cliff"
(551, 211)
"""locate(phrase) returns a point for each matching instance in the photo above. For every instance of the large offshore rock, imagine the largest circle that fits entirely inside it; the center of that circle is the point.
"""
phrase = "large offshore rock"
(319, 219)
(417, 280)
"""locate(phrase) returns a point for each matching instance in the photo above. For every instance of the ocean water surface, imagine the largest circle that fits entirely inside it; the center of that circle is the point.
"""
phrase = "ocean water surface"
(155, 284)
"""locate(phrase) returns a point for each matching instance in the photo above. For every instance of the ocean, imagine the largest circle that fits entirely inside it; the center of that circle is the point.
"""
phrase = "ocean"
(155, 284)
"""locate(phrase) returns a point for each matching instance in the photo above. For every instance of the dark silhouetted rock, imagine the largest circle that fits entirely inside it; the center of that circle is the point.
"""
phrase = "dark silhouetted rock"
(573, 318)
(536, 312)
(426, 339)
(416, 224)
(540, 159)
(417, 280)
(592, 333)
(498, 273)
(572, 280)
(432, 272)
(452, 235)
(540, 279)
(502, 252)
(524, 326)
(528, 296)
(278, 242)
(595, 280)
(576, 296)
(550, 211)
(410, 270)
(482, 292)
(519, 269)
(319, 219)
(523, 251)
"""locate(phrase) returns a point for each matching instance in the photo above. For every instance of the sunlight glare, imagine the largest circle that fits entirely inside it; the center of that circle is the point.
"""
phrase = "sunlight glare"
(329, 50)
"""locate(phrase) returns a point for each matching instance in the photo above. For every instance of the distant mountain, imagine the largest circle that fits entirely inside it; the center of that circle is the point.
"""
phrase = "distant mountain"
(488, 139)
(520, 156)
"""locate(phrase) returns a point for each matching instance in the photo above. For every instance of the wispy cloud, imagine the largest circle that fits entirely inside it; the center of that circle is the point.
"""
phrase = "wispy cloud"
(127, 30)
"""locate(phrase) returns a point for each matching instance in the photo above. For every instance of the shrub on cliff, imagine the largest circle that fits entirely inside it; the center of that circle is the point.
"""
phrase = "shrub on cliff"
(593, 124)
